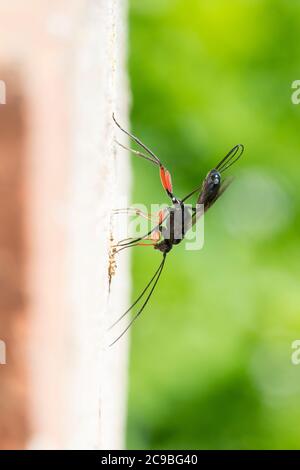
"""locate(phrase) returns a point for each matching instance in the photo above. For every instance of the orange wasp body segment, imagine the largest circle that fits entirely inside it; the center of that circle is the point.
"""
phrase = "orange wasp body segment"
(166, 179)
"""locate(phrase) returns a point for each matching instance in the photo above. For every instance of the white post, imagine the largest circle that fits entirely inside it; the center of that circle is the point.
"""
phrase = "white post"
(69, 57)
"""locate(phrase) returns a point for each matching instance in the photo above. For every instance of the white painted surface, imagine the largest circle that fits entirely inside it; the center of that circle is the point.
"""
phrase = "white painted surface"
(100, 178)
(71, 56)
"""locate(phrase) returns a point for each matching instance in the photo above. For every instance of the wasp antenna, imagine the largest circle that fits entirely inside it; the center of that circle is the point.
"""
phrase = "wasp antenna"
(232, 156)
(157, 275)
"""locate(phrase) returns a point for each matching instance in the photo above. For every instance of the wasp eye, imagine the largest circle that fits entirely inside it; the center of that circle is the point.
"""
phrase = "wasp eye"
(216, 178)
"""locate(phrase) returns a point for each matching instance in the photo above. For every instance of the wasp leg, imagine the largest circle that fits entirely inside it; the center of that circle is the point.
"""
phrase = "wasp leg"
(154, 234)
(165, 175)
(154, 238)
(133, 211)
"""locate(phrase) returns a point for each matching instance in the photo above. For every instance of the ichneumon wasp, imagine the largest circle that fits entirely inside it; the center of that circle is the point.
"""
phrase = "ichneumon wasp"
(174, 222)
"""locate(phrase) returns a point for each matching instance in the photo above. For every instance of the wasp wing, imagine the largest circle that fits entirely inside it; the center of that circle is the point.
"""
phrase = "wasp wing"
(199, 210)
(226, 183)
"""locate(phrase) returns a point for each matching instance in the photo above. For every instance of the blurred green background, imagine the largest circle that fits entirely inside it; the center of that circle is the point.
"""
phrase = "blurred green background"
(210, 363)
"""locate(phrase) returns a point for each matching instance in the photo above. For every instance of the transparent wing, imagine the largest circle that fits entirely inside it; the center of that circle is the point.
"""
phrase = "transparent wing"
(199, 212)
(224, 185)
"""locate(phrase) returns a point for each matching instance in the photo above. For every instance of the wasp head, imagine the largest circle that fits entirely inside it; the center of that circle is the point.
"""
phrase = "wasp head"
(210, 187)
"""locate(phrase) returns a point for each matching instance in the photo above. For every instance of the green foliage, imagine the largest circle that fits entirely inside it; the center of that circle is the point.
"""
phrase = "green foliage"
(211, 355)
